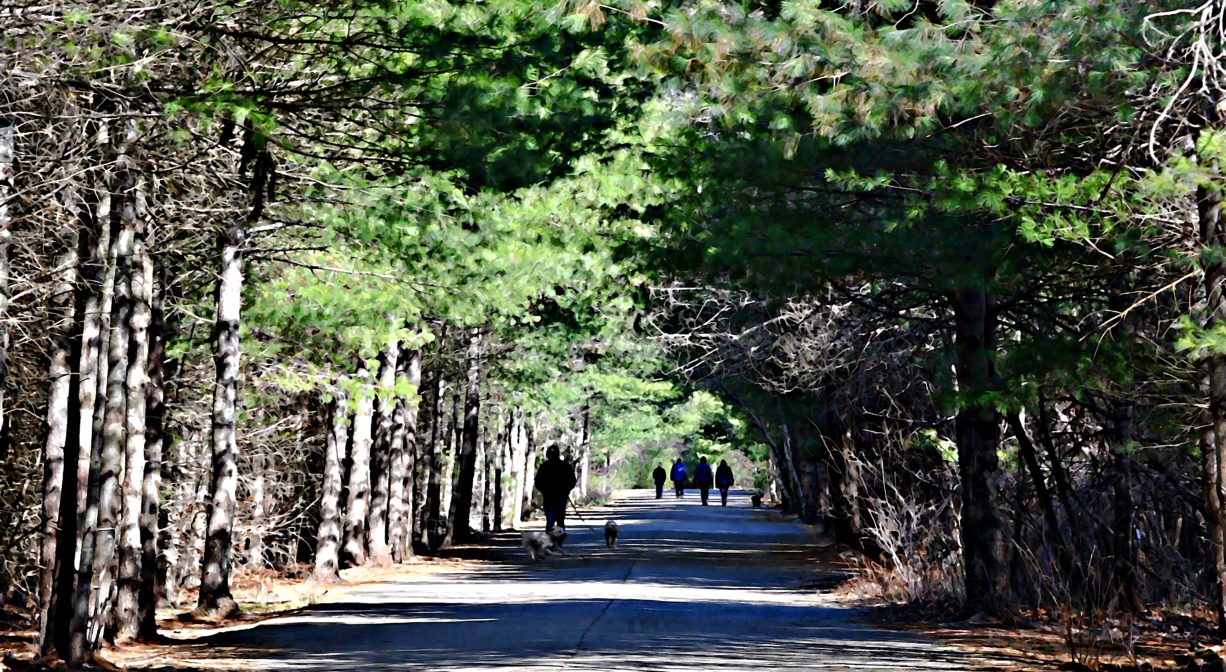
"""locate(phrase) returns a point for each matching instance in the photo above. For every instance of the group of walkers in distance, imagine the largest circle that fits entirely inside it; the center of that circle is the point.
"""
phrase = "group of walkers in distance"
(555, 478)
(703, 479)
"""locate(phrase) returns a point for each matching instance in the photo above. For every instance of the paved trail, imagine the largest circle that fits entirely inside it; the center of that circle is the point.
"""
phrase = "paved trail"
(688, 586)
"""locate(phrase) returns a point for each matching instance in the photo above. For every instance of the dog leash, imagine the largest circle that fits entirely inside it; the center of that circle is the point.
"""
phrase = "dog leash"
(576, 510)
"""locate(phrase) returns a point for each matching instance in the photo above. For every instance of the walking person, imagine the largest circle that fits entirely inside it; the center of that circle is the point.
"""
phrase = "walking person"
(659, 476)
(555, 479)
(703, 479)
(723, 481)
(679, 475)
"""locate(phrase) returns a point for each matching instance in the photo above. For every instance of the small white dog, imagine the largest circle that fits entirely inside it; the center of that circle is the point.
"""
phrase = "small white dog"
(541, 545)
(610, 534)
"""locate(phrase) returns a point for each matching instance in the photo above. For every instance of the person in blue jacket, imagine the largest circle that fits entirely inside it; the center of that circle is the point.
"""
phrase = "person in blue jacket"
(678, 477)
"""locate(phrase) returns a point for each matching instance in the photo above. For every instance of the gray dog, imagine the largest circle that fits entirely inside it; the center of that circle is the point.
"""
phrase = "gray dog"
(541, 545)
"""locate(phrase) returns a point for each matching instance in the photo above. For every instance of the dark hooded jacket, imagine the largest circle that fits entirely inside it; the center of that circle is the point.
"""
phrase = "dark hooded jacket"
(555, 478)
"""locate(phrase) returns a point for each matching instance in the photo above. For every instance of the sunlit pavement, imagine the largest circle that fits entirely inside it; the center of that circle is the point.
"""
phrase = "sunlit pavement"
(688, 586)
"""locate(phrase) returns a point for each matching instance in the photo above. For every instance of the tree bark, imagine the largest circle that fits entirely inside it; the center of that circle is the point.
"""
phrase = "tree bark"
(1213, 237)
(114, 411)
(404, 443)
(977, 433)
(8, 136)
(99, 281)
(585, 450)
(488, 489)
(529, 472)
(381, 457)
(151, 571)
(126, 617)
(519, 449)
(215, 598)
(59, 409)
(468, 445)
(353, 548)
(451, 477)
(328, 540)
(434, 483)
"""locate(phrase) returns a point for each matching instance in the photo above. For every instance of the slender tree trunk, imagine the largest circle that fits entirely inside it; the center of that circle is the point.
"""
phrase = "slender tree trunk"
(1213, 237)
(97, 286)
(978, 437)
(1051, 527)
(215, 595)
(353, 548)
(155, 436)
(404, 445)
(430, 463)
(381, 456)
(126, 617)
(8, 136)
(328, 541)
(451, 477)
(519, 449)
(585, 450)
(529, 472)
(488, 490)
(434, 486)
(468, 446)
(59, 408)
(254, 544)
(99, 281)
(114, 411)
(503, 496)
(215, 598)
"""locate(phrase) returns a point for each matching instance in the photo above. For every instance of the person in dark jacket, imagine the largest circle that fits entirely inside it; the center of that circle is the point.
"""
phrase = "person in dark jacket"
(723, 481)
(679, 475)
(703, 479)
(555, 479)
(659, 476)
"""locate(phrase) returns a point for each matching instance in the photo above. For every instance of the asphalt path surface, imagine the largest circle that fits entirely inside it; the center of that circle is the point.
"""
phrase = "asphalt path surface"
(688, 586)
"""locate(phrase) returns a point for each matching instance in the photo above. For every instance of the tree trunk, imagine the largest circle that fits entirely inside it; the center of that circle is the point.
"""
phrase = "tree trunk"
(126, 621)
(215, 598)
(253, 545)
(7, 148)
(1051, 527)
(381, 457)
(1213, 237)
(451, 476)
(99, 283)
(434, 486)
(519, 449)
(155, 435)
(114, 420)
(977, 432)
(467, 454)
(328, 541)
(488, 490)
(529, 472)
(404, 443)
(59, 408)
(503, 496)
(215, 595)
(585, 450)
(353, 548)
